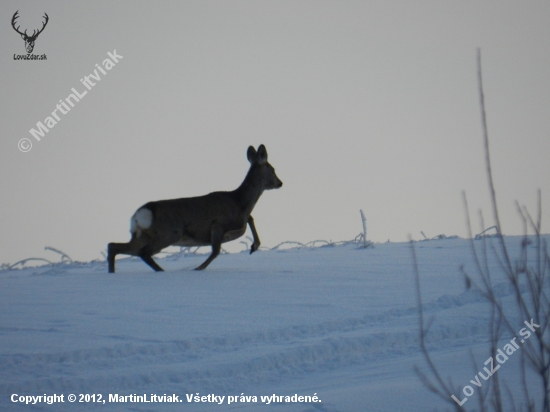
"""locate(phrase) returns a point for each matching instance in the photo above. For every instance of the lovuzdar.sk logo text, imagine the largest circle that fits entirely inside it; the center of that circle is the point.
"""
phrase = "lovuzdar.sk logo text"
(29, 39)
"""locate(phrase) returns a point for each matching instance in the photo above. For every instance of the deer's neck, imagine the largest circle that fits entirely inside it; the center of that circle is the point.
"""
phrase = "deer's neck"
(249, 191)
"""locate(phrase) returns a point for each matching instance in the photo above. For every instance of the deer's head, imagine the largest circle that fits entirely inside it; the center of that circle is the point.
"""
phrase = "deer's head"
(261, 169)
(29, 40)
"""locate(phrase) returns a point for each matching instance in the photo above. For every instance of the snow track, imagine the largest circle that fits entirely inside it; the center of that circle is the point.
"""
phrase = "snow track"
(226, 331)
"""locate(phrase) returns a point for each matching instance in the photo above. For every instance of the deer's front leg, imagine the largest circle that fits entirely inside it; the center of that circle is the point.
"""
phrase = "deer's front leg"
(216, 240)
(256, 245)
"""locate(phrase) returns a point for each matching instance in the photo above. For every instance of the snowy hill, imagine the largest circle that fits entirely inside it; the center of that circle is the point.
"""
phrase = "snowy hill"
(338, 324)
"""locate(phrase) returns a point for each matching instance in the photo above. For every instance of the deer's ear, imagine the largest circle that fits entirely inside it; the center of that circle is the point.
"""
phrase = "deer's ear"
(23, 36)
(262, 154)
(251, 154)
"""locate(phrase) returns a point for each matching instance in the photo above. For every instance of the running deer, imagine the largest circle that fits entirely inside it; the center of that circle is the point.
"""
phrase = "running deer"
(212, 219)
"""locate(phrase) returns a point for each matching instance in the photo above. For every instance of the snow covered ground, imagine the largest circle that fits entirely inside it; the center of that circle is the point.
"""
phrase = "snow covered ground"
(339, 323)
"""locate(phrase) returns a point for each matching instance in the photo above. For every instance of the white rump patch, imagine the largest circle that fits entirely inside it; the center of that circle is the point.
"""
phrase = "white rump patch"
(142, 219)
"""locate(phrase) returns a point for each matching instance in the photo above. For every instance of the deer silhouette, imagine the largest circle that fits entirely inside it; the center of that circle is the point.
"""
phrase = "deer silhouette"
(29, 40)
(208, 220)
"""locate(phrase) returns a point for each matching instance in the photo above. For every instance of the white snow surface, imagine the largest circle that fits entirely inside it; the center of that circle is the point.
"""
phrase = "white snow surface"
(339, 322)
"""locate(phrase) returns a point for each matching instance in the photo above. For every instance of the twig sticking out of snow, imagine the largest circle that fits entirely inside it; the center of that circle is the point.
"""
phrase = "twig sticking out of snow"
(363, 235)
(64, 259)
(312, 243)
(482, 234)
(64, 256)
(289, 242)
(24, 261)
(247, 243)
(364, 219)
(438, 237)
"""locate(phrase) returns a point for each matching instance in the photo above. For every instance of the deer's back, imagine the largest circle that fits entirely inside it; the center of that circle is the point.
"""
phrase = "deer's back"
(192, 217)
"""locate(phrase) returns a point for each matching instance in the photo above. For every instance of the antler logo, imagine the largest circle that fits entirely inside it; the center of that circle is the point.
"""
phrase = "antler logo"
(29, 40)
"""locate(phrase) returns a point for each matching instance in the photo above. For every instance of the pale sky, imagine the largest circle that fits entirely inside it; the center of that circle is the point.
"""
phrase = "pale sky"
(367, 105)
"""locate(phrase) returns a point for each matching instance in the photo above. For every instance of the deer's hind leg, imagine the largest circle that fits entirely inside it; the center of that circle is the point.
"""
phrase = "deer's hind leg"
(154, 246)
(131, 248)
(146, 254)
